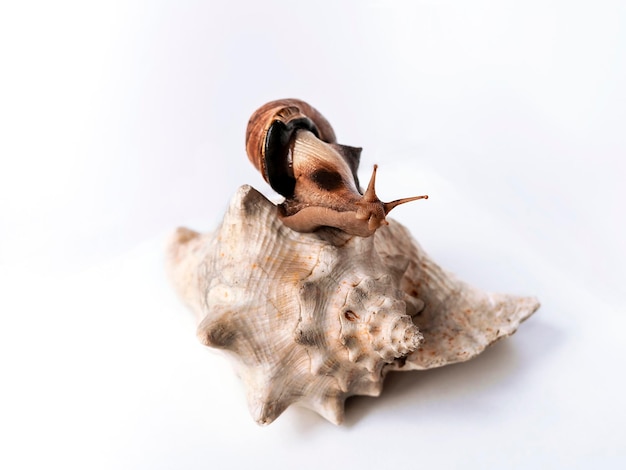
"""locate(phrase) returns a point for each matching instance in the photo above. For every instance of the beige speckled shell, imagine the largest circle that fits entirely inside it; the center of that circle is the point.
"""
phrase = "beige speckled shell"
(313, 318)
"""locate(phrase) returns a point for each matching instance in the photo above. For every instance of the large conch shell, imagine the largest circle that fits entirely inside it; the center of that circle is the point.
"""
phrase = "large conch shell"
(313, 318)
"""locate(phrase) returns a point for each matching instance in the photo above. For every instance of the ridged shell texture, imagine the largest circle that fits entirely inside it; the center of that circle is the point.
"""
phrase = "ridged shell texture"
(313, 318)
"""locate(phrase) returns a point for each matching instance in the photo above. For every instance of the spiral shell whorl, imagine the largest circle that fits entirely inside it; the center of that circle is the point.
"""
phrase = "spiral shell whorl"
(375, 326)
(292, 114)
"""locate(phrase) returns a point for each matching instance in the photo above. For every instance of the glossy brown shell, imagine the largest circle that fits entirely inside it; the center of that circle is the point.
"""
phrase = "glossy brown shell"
(268, 133)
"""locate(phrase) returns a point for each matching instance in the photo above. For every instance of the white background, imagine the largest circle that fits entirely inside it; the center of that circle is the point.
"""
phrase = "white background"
(121, 120)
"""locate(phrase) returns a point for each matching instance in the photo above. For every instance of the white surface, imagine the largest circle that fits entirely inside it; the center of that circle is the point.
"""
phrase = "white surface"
(121, 121)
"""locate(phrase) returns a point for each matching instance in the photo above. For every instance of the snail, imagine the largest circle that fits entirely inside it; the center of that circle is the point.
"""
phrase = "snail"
(295, 149)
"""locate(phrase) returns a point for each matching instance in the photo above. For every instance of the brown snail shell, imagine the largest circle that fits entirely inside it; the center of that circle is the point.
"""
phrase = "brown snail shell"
(295, 149)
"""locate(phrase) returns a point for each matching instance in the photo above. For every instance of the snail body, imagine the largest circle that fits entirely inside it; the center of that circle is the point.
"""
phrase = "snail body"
(295, 149)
